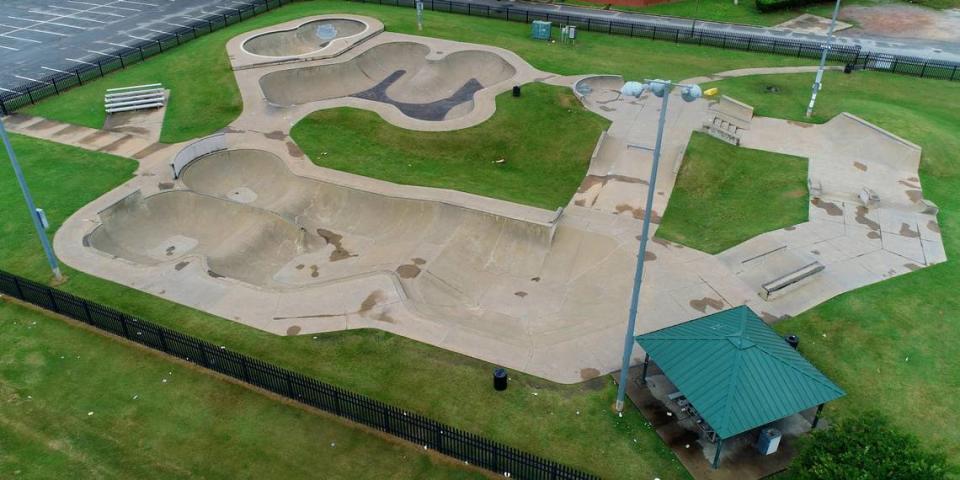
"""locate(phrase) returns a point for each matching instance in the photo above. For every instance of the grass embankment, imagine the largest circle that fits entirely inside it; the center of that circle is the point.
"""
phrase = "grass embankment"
(75, 404)
(205, 98)
(545, 138)
(446, 386)
(725, 195)
(892, 346)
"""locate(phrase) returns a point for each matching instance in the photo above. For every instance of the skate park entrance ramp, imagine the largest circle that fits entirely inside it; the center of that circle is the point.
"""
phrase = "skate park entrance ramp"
(422, 84)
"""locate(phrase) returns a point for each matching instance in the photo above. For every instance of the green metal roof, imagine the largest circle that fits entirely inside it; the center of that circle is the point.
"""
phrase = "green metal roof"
(736, 371)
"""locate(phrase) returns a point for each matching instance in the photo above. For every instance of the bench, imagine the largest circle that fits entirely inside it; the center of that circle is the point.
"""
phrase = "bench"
(781, 284)
(140, 97)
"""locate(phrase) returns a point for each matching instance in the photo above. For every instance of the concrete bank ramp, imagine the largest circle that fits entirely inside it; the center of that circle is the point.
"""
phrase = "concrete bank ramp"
(309, 37)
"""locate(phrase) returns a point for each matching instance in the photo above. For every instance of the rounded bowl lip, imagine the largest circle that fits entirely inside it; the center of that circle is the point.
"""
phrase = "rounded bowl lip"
(243, 44)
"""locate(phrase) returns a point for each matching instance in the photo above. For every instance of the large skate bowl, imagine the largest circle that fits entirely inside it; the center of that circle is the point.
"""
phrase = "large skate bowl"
(307, 38)
(423, 84)
(251, 219)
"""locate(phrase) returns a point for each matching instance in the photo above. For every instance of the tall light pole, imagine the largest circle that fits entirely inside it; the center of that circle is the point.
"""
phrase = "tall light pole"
(34, 212)
(660, 88)
(818, 82)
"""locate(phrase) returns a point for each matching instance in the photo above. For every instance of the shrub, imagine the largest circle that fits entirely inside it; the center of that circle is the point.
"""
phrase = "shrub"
(866, 447)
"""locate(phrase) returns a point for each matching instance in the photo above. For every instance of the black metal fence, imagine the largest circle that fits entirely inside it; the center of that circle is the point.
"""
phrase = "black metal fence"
(464, 446)
(920, 67)
(31, 92)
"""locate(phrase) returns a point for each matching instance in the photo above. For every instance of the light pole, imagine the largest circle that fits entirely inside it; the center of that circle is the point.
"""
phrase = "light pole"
(660, 88)
(817, 83)
(34, 212)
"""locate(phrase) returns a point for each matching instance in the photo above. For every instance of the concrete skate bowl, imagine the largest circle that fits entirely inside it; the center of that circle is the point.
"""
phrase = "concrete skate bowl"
(307, 38)
(422, 84)
(598, 89)
(251, 219)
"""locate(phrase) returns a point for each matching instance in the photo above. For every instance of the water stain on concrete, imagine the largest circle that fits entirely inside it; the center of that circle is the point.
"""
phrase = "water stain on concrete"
(275, 135)
(649, 256)
(915, 196)
(590, 181)
(873, 235)
(799, 124)
(418, 261)
(913, 267)
(520, 294)
(910, 183)
(637, 212)
(150, 150)
(535, 279)
(385, 317)
(42, 125)
(214, 274)
(933, 226)
(580, 203)
(170, 250)
(180, 266)
(860, 166)
(906, 231)
(338, 253)
(862, 219)
(314, 271)
(589, 373)
(165, 185)
(300, 267)
(702, 304)
(408, 271)
(831, 208)
(69, 129)
(790, 228)
(371, 301)
(294, 150)
(293, 330)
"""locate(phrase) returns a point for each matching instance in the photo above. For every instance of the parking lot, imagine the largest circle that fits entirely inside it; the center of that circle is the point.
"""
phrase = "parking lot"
(40, 37)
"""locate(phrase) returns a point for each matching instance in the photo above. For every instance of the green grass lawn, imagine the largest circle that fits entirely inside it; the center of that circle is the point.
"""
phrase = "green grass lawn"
(153, 418)
(892, 346)
(727, 194)
(204, 94)
(533, 414)
(543, 165)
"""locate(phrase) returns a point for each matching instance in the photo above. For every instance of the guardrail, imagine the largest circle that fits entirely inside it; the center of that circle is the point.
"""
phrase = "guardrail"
(431, 434)
(197, 149)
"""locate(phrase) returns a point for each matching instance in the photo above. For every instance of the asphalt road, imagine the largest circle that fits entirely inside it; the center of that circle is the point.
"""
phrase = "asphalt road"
(40, 37)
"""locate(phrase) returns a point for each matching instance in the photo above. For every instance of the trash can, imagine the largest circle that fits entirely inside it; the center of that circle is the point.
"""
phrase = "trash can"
(516, 90)
(500, 379)
(793, 341)
(769, 441)
(848, 68)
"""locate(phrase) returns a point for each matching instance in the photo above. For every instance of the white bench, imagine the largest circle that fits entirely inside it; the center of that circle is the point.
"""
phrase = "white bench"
(140, 97)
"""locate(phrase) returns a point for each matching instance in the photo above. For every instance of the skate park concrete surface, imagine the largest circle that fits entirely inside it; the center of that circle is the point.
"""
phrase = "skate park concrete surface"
(258, 234)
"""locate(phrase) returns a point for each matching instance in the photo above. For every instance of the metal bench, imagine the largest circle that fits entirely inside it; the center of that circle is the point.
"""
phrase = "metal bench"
(139, 97)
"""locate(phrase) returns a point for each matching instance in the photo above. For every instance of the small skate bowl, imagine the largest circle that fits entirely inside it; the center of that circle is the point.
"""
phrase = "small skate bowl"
(422, 83)
(307, 38)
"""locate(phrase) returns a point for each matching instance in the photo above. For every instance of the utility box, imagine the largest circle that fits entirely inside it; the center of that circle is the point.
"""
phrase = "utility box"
(541, 30)
(769, 441)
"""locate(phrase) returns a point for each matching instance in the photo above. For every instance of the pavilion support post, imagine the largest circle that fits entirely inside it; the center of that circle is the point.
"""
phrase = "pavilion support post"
(646, 363)
(716, 456)
(816, 418)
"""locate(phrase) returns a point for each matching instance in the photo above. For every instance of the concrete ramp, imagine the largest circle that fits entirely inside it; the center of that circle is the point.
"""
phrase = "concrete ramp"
(308, 37)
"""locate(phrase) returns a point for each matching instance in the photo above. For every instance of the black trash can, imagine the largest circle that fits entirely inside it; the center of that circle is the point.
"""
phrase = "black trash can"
(516, 90)
(793, 341)
(848, 68)
(500, 379)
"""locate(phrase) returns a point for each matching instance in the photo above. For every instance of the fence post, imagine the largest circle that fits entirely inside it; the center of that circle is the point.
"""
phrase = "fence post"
(243, 365)
(16, 283)
(203, 353)
(3, 107)
(923, 70)
(53, 300)
(386, 419)
(336, 402)
(141, 53)
(952, 75)
(286, 376)
(30, 94)
(86, 309)
(123, 324)
(53, 80)
(163, 341)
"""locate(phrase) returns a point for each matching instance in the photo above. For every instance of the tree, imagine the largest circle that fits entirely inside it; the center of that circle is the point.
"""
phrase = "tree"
(864, 448)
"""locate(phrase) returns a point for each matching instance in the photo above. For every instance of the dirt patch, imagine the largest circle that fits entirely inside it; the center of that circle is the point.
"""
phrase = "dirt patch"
(293, 330)
(702, 304)
(905, 21)
(831, 208)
